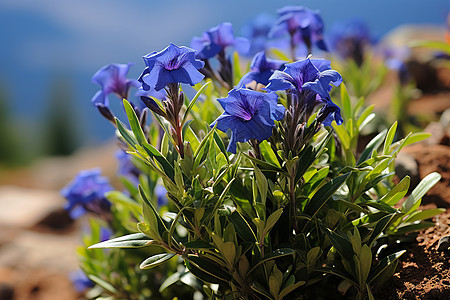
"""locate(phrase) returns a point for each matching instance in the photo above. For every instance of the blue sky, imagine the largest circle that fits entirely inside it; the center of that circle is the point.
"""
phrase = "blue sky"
(47, 39)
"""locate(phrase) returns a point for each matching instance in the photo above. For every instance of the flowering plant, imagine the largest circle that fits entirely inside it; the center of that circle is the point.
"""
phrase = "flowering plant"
(269, 199)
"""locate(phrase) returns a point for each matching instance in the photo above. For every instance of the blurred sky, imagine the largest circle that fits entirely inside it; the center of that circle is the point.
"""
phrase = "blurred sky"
(48, 41)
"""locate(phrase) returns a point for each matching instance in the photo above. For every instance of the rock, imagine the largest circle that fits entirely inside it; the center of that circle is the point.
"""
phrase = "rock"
(56, 220)
(438, 133)
(444, 244)
(23, 208)
(6, 291)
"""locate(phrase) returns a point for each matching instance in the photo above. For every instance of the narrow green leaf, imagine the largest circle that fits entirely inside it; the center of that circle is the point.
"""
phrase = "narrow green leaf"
(404, 229)
(373, 145)
(397, 192)
(321, 197)
(134, 122)
(383, 264)
(362, 117)
(422, 188)
(161, 226)
(191, 104)
(135, 240)
(424, 214)
(156, 260)
(381, 225)
(242, 228)
(346, 104)
(258, 287)
(342, 134)
(272, 220)
(106, 285)
(389, 138)
(126, 134)
(273, 255)
(268, 154)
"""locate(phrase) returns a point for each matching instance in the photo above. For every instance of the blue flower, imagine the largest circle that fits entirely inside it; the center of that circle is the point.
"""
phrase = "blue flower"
(302, 24)
(261, 69)
(348, 39)
(80, 281)
(256, 31)
(86, 193)
(126, 167)
(112, 79)
(172, 65)
(309, 81)
(217, 39)
(249, 115)
(161, 194)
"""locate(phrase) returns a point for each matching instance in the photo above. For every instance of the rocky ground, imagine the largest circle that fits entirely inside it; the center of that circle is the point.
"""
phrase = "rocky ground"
(38, 240)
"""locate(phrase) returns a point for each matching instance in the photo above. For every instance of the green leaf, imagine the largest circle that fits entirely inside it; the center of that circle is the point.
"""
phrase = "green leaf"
(424, 214)
(208, 267)
(362, 117)
(397, 192)
(383, 264)
(202, 151)
(416, 137)
(161, 227)
(191, 104)
(311, 258)
(274, 255)
(404, 229)
(342, 134)
(381, 225)
(290, 288)
(279, 54)
(345, 102)
(242, 228)
(437, 45)
(119, 197)
(422, 188)
(106, 285)
(256, 286)
(262, 184)
(321, 197)
(272, 220)
(156, 260)
(198, 244)
(389, 138)
(125, 133)
(373, 145)
(268, 154)
(154, 153)
(365, 258)
(221, 145)
(135, 240)
(134, 122)
(341, 244)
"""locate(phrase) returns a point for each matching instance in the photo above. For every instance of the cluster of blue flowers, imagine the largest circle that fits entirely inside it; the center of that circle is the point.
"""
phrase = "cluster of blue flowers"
(251, 107)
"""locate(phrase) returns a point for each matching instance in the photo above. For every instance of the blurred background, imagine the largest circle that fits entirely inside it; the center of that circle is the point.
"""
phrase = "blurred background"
(49, 51)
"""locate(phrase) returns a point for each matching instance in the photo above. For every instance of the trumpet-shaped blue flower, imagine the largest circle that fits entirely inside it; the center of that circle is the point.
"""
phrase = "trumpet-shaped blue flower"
(309, 81)
(249, 115)
(302, 24)
(172, 65)
(261, 68)
(348, 39)
(113, 79)
(256, 31)
(217, 39)
(86, 193)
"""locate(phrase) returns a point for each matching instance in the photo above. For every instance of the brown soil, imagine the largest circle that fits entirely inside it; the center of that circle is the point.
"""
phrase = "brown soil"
(423, 271)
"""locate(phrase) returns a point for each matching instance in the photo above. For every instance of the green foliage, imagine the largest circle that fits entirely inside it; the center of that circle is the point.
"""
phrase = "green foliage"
(265, 223)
